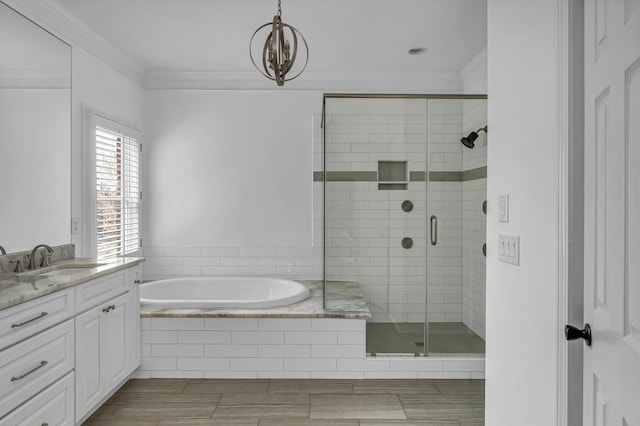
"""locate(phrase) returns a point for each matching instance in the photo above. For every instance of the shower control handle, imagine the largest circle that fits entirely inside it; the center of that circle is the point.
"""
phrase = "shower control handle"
(434, 230)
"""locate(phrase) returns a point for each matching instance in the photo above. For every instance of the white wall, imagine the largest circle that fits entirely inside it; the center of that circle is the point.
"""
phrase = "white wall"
(95, 83)
(228, 183)
(35, 140)
(34, 159)
(522, 311)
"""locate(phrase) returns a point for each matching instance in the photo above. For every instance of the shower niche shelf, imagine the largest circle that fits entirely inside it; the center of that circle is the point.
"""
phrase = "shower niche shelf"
(392, 175)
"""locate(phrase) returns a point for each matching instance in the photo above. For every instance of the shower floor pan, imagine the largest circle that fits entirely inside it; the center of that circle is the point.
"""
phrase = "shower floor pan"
(408, 338)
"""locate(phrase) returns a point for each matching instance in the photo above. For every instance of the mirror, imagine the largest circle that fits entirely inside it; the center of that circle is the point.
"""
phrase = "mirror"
(35, 134)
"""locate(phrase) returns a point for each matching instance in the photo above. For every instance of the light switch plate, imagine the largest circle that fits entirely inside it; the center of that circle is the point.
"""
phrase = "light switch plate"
(503, 208)
(509, 248)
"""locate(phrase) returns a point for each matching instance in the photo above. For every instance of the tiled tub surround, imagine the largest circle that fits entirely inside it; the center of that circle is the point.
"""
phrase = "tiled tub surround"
(299, 341)
(283, 262)
(348, 303)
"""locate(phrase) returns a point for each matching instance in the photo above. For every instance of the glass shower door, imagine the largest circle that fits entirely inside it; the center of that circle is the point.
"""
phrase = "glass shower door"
(375, 213)
(404, 218)
(456, 193)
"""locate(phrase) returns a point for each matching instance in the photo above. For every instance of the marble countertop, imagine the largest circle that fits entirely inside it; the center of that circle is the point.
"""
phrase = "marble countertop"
(344, 300)
(18, 288)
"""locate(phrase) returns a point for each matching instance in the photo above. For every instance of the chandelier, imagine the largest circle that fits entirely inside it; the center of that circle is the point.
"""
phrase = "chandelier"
(280, 50)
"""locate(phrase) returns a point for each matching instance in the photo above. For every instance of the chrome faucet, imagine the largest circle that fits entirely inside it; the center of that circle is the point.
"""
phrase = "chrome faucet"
(32, 258)
(2, 251)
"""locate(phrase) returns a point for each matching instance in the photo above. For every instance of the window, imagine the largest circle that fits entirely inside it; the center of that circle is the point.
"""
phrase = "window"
(117, 196)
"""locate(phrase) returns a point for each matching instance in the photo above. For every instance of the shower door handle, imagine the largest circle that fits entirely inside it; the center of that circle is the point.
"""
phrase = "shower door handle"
(434, 230)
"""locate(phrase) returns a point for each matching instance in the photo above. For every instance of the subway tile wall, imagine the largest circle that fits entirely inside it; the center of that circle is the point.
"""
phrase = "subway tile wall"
(364, 225)
(285, 262)
(474, 234)
(444, 261)
(321, 348)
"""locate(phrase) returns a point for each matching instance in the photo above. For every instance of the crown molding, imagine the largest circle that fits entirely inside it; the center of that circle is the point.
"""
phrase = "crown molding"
(474, 74)
(55, 19)
(378, 82)
(473, 63)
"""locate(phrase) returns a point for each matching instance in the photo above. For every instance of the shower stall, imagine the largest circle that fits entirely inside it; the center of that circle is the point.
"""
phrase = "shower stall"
(405, 215)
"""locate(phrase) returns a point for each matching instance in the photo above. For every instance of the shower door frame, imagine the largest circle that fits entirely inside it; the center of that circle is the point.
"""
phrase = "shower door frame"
(426, 97)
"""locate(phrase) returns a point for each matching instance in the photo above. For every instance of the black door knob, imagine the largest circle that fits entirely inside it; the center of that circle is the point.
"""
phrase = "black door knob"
(573, 333)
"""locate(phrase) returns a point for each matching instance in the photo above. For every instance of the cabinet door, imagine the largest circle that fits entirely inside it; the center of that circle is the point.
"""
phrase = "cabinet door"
(113, 341)
(133, 319)
(88, 358)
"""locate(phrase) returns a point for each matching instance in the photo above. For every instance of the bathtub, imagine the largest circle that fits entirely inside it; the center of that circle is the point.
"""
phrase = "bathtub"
(222, 293)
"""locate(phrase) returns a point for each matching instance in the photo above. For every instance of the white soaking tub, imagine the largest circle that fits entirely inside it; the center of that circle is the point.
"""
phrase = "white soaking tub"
(222, 293)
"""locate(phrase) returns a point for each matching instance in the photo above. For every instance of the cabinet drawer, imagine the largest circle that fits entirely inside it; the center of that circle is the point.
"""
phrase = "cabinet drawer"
(97, 291)
(32, 365)
(53, 406)
(26, 319)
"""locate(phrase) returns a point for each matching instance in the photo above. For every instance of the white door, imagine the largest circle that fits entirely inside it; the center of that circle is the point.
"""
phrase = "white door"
(612, 212)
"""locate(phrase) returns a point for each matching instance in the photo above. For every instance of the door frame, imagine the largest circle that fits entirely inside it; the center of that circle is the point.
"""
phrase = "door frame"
(571, 201)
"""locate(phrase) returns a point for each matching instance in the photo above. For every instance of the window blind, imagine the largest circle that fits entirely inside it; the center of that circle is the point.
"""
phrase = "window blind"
(117, 193)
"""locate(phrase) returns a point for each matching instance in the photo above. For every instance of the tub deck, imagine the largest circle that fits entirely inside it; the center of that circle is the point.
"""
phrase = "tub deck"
(344, 300)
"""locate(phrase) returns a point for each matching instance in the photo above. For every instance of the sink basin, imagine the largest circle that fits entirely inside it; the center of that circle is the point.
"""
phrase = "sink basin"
(69, 270)
(63, 271)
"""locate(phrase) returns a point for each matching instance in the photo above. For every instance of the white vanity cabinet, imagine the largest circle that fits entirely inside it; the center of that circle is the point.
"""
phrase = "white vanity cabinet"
(62, 354)
(107, 333)
(37, 341)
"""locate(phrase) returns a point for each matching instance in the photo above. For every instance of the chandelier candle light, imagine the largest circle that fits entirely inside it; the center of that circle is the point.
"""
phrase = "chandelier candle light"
(280, 50)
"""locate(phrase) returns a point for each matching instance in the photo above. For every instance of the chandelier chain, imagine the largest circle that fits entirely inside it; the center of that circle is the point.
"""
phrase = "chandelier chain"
(279, 8)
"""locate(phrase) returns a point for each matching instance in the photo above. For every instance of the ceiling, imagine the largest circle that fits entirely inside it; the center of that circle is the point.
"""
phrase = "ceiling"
(351, 37)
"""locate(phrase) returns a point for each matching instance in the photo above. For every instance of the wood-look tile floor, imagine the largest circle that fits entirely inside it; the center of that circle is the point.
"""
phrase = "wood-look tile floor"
(164, 402)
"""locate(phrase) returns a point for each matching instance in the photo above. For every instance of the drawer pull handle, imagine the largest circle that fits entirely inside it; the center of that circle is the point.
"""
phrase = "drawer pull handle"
(108, 308)
(20, 324)
(137, 281)
(22, 376)
(45, 424)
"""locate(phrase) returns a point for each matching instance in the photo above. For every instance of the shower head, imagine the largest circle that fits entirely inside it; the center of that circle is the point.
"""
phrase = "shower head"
(469, 140)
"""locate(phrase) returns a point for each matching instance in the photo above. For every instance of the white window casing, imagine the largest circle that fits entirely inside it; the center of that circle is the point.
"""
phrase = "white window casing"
(112, 190)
